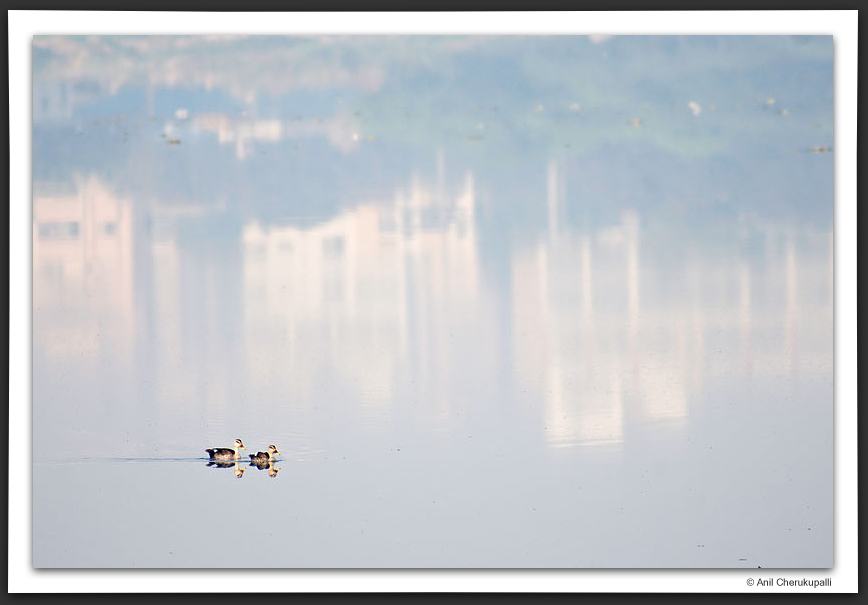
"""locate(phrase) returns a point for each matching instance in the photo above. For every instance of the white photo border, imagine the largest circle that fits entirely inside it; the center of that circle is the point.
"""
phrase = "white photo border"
(22, 25)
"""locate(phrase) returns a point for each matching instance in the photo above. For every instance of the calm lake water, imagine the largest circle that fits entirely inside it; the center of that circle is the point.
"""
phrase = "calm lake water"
(500, 302)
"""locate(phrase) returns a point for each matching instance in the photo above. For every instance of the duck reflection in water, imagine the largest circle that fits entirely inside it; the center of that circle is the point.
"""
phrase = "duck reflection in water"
(233, 465)
(265, 465)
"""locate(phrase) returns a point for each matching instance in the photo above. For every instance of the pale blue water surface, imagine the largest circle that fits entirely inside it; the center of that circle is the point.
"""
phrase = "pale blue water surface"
(499, 301)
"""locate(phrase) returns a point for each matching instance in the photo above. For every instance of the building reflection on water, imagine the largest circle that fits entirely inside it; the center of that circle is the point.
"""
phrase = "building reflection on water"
(387, 301)
(82, 267)
(245, 133)
(604, 334)
(585, 345)
(373, 295)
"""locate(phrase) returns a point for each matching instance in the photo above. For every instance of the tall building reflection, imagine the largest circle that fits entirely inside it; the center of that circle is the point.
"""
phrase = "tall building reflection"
(604, 336)
(82, 267)
(372, 297)
(195, 339)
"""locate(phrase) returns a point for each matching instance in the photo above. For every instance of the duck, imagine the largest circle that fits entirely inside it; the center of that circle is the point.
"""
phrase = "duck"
(225, 453)
(264, 457)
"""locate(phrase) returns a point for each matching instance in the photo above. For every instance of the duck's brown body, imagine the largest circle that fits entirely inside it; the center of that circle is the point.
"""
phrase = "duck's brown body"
(226, 453)
(263, 458)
